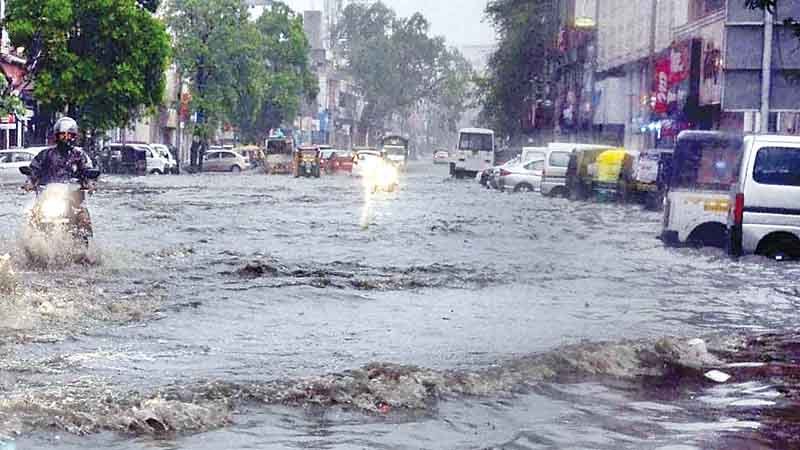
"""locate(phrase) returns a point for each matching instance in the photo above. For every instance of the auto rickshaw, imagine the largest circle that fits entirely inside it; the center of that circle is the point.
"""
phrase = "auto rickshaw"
(307, 161)
(279, 156)
(579, 178)
(395, 150)
(612, 175)
(649, 177)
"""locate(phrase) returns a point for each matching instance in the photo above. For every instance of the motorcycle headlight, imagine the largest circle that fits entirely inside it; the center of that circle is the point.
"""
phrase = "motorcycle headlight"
(53, 208)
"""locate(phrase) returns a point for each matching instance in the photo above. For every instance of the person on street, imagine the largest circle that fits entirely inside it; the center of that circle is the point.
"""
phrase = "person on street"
(63, 161)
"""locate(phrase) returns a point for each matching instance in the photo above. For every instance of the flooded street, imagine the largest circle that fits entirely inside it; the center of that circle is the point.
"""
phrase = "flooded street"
(271, 312)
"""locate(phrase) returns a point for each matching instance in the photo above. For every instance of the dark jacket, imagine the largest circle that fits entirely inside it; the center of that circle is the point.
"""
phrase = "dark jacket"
(54, 166)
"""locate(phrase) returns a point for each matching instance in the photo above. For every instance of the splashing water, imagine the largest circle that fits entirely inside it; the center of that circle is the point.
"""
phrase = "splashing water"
(8, 279)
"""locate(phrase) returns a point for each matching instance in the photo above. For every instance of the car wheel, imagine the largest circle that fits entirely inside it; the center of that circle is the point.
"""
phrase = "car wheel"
(524, 188)
(236, 169)
(155, 172)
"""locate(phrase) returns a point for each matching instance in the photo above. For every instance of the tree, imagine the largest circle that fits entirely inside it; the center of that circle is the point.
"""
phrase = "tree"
(520, 70)
(283, 74)
(101, 61)
(396, 65)
(213, 46)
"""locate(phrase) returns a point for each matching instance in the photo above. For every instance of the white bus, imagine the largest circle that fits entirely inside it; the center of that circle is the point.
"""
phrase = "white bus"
(475, 152)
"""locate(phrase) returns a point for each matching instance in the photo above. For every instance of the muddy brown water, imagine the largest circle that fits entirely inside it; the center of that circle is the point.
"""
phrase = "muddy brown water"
(259, 312)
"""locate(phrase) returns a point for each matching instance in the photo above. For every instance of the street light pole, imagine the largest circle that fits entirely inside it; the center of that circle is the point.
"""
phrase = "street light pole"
(766, 70)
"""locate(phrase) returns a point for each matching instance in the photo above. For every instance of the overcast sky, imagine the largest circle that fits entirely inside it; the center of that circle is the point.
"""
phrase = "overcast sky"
(460, 21)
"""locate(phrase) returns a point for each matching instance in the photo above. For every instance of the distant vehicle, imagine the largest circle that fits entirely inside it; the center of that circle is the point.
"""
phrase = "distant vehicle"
(223, 160)
(165, 153)
(130, 159)
(580, 172)
(491, 176)
(649, 177)
(705, 167)
(253, 153)
(533, 153)
(554, 178)
(395, 149)
(475, 152)
(12, 160)
(278, 156)
(307, 161)
(334, 160)
(522, 177)
(614, 169)
(441, 157)
(765, 218)
(366, 159)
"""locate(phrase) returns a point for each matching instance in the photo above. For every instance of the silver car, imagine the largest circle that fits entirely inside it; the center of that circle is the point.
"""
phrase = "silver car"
(224, 161)
(522, 177)
(764, 216)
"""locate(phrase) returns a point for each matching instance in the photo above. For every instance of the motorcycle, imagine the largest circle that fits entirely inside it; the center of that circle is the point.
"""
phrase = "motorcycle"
(59, 212)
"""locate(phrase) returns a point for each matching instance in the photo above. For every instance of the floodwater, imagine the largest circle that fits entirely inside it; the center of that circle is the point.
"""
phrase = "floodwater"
(255, 312)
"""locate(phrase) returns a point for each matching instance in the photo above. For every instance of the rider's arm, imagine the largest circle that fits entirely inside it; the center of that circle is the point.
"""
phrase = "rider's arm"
(37, 166)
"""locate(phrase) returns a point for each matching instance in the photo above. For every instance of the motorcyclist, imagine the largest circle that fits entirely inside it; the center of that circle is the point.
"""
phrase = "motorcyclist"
(62, 162)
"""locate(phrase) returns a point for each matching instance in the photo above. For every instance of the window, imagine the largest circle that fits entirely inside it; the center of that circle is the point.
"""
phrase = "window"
(535, 165)
(712, 165)
(5, 158)
(476, 142)
(22, 157)
(778, 166)
(559, 159)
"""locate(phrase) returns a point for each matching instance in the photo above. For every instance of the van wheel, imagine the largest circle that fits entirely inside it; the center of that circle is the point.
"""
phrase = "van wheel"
(709, 235)
(155, 172)
(782, 247)
(560, 192)
(236, 169)
(524, 188)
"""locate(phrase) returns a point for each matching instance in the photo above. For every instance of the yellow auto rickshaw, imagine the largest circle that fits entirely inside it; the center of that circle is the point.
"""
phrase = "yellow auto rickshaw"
(307, 161)
(612, 172)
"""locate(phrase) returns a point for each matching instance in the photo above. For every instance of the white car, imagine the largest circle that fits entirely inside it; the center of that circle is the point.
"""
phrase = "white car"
(521, 177)
(366, 161)
(12, 160)
(163, 151)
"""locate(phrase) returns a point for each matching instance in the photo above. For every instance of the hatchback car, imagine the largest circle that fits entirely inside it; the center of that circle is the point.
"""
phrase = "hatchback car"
(165, 153)
(224, 161)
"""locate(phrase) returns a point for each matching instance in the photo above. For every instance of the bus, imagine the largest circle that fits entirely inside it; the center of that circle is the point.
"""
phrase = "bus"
(475, 152)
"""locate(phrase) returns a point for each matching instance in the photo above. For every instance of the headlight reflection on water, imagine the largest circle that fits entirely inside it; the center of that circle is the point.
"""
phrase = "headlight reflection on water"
(379, 176)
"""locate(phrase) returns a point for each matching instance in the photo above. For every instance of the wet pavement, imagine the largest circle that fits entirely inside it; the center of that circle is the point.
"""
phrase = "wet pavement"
(269, 312)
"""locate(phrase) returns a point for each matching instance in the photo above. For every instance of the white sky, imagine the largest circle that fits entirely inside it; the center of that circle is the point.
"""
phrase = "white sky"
(459, 21)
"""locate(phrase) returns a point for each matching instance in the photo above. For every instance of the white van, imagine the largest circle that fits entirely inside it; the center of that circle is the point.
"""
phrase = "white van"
(705, 166)
(475, 152)
(554, 178)
(765, 218)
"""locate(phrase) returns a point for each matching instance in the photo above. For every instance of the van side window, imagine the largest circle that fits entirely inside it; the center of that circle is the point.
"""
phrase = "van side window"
(559, 159)
(778, 166)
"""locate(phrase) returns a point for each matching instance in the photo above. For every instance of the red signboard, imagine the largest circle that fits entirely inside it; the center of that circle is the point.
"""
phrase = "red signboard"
(661, 87)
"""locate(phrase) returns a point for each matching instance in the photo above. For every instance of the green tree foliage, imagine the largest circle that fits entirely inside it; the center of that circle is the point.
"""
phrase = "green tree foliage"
(101, 60)
(521, 67)
(9, 103)
(284, 76)
(252, 75)
(396, 64)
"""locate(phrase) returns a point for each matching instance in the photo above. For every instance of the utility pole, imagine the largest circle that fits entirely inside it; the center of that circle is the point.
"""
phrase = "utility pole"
(651, 71)
(766, 70)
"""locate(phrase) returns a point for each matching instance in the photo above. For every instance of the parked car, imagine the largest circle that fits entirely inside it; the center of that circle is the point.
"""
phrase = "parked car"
(130, 159)
(164, 152)
(224, 160)
(554, 178)
(522, 177)
(705, 168)
(12, 160)
(441, 157)
(765, 218)
(334, 161)
(491, 176)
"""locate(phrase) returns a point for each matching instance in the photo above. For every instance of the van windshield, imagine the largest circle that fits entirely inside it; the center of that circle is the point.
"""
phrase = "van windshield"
(476, 142)
(706, 164)
(778, 166)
